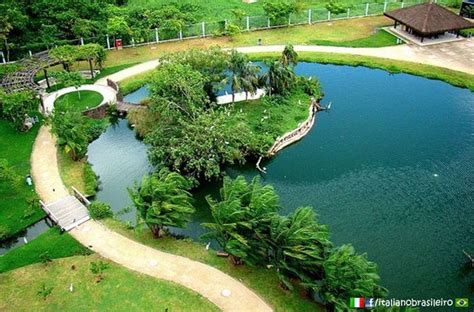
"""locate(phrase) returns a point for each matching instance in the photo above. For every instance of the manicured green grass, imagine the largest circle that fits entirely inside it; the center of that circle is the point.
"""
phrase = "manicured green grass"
(261, 280)
(51, 244)
(120, 290)
(19, 207)
(78, 101)
(77, 173)
(352, 32)
(334, 33)
(133, 83)
(453, 77)
(380, 39)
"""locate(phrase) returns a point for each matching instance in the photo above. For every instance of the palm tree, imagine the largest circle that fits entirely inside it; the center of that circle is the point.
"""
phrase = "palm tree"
(162, 200)
(239, 214)
(289, 57)
(237, 62)
(298, 244)
(250, 78)
(278, 78)
(347, 274)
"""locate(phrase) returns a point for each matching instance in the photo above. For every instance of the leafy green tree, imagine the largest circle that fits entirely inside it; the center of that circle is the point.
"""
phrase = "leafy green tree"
(211, 63)
(92, 52)
(297, 245)
(200, 147)
(177, 88)
(66, 55)
(289, 57)
(279, 10)
(72, 133)
(347, 274)
(117, 26)
(336, 7)
(70, 79)
(241, 215)
(16, 106)
(12, 18)
(162, 200)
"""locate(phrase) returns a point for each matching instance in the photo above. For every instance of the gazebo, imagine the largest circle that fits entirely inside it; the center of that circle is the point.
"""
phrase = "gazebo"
(427, 20)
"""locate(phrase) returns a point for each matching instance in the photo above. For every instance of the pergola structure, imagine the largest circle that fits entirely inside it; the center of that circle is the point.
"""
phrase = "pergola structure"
(428, 20)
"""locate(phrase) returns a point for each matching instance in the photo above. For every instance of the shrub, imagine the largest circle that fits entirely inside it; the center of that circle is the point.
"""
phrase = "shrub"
(3, 232)
(99, 210)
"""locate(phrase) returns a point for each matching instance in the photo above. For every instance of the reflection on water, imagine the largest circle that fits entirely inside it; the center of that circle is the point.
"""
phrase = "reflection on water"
(25, 236)
(390, 168)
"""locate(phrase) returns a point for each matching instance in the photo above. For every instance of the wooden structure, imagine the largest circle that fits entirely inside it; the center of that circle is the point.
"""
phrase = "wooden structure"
(467, 9)
(428, 20)
(23, 79)
(68, 212)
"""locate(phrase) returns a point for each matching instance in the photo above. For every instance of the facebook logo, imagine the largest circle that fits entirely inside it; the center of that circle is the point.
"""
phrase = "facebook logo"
(369, 303)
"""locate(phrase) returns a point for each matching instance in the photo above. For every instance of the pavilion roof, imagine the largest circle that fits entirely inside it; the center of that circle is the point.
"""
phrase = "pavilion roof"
(429, 18)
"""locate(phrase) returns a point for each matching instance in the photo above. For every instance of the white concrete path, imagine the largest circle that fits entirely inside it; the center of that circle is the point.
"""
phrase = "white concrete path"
(129, 72)
(109, 94)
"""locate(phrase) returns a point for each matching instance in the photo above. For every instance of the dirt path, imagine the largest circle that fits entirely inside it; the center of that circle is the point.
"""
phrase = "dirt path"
(224, 291)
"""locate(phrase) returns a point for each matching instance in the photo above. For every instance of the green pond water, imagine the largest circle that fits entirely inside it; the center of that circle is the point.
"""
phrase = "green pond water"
(389, 168)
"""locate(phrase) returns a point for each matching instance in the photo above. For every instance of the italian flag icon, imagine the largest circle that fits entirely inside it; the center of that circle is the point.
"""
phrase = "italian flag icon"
(357, 302)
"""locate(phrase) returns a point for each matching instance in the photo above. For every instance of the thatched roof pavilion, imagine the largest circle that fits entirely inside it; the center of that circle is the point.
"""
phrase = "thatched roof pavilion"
(428, 20)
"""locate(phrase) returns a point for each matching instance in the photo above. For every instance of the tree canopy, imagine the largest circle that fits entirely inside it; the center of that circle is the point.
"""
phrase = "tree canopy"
(162, 200)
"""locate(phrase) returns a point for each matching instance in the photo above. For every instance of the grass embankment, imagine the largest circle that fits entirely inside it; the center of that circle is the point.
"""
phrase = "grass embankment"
(78, 174)
(453, 77)
(19, 207)
(134, 83)
(49, 245)
(78, 101)
(263, 281)
(120, 290)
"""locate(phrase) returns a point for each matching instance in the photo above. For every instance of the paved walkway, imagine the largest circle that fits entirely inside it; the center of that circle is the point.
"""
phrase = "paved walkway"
(205, 280)
(108, 93)
(44, 168)
(454, 55)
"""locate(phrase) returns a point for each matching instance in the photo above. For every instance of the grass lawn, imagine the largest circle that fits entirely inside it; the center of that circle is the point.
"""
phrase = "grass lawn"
(261, 280)
(19, 207)
(327, 33)
(453, 77)
(51, 243)
(78, 101)
(334, 33)
(120, 290)
(77, 173)
(379, 39)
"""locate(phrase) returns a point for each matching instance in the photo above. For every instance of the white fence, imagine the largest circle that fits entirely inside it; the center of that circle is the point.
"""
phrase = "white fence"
(207, 29)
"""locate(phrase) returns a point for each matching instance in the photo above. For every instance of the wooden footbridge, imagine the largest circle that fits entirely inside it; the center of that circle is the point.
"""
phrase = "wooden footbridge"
(125, 107)
(68, 212)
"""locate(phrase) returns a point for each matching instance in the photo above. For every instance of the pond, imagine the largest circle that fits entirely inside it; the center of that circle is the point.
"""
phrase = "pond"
(389, 168)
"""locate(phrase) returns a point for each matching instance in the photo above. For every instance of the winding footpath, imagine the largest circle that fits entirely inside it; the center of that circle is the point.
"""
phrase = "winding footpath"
(221, 289)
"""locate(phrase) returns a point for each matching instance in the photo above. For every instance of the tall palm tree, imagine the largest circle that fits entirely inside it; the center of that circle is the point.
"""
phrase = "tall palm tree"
(250, 78)
(347, 274)
(236, 64)
(298, 244)
(162, 200)
(237, 216)
(278, 78)
(289, 57)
